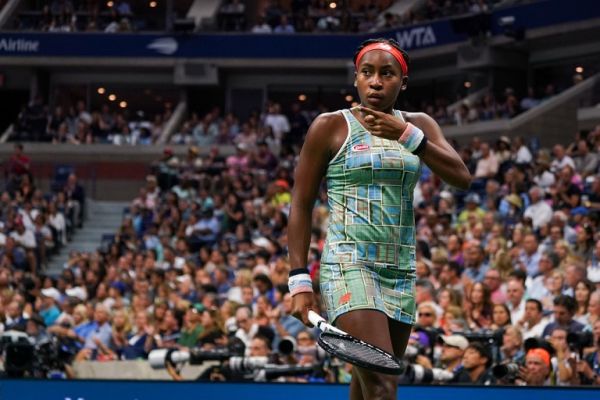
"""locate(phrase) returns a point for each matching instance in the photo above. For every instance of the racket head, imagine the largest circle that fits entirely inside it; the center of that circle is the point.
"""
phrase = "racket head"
(361, 354)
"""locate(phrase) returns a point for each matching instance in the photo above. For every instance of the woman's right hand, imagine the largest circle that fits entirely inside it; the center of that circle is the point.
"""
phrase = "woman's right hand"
(301, 304)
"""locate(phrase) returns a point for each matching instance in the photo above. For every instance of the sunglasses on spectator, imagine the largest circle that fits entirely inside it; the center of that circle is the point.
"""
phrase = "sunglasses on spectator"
(425, 314)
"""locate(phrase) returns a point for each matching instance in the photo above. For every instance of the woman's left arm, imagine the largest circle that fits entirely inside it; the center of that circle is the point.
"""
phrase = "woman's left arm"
(443, 160)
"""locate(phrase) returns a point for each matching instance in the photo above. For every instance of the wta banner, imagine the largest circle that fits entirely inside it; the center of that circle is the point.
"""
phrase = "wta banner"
(296, 46)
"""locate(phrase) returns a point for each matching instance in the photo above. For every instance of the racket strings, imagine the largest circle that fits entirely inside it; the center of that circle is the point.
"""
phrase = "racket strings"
(359, 351)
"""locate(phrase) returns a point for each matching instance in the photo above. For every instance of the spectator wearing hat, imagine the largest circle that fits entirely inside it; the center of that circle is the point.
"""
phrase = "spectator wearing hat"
(538, 210)
(192, 328)
(453, 350)
(279, 194)
(537, 370)
(472, 208)
(49, 310)
(476, 363)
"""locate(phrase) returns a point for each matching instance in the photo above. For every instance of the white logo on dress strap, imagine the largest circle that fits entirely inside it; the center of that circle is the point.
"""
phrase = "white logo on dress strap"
(360, 147)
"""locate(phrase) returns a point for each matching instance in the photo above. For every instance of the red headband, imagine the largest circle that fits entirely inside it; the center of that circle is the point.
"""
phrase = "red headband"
(387, 48)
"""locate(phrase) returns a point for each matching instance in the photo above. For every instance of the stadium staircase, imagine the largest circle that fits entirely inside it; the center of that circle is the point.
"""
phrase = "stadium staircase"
(103, 218)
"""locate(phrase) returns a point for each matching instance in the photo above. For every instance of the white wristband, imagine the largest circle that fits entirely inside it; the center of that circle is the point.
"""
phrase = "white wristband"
(411, 138)
(300, 283)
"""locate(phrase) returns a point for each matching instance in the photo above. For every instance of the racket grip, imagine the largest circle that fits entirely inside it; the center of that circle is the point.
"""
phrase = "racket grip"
(315, 319)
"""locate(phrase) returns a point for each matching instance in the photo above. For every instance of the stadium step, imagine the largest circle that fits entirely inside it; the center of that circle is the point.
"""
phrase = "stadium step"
(103, 217)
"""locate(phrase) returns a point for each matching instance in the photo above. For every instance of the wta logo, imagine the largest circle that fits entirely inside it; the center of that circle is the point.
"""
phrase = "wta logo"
(360, 147)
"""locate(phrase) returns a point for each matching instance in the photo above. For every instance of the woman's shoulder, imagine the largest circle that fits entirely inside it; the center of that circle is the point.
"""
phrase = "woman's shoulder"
(416, 117)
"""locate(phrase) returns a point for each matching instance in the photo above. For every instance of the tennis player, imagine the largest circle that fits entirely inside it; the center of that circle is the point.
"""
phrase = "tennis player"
(370, 156)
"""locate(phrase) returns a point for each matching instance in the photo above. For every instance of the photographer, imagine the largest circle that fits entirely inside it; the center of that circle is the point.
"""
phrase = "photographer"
(537, 370)
(453, 350)
(477, 361)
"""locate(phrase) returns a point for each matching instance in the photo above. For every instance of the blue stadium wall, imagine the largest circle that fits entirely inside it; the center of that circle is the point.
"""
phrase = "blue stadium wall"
(144, 390)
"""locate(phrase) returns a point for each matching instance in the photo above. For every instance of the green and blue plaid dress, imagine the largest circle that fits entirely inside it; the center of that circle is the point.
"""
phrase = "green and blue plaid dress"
(368, 261)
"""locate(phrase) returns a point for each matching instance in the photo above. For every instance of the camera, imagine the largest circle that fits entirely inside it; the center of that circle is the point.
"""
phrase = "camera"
(416, 373)
(508, 371)
(490, 337)
(233, 364)
(580, 340)
(23, 357)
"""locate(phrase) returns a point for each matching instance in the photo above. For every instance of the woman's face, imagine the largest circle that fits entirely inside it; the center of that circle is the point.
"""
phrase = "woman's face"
(560, 250)
(477, 294)
(379, 80)
(444, 299)
(500, 316)
(582, 294)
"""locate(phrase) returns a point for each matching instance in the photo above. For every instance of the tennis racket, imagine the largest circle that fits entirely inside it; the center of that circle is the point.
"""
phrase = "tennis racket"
(348, 348)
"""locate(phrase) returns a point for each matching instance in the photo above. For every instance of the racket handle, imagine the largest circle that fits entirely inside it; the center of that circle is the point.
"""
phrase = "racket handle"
(323, 325)
(315, 319)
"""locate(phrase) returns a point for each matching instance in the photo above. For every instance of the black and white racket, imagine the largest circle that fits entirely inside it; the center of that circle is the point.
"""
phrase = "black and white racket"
(348, 348)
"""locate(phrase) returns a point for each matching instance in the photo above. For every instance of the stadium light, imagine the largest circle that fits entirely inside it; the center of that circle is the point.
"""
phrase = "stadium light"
(153, 4)
(467, 84)
(123, 104)
(302, 97)
(110, 4)
(101, 90)
(112, 97)
(579, 69)
(349, 98)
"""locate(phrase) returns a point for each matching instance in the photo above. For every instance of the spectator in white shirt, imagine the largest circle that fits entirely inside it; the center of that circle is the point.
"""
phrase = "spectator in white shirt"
(261, 26)
(277, 121)
(561, 159)
(533, 322)
(539, 211)
(487, 166)
(516, 303)
(523, 155)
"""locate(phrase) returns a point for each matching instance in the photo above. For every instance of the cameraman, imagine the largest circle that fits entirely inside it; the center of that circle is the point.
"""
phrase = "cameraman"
(537, 369)
(453, 350)
(476, 361)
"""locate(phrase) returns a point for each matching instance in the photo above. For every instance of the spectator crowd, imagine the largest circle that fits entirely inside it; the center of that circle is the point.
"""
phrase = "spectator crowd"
(507, 272)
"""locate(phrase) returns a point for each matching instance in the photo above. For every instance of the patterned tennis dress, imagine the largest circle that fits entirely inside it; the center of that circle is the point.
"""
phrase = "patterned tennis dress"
(368, 261)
